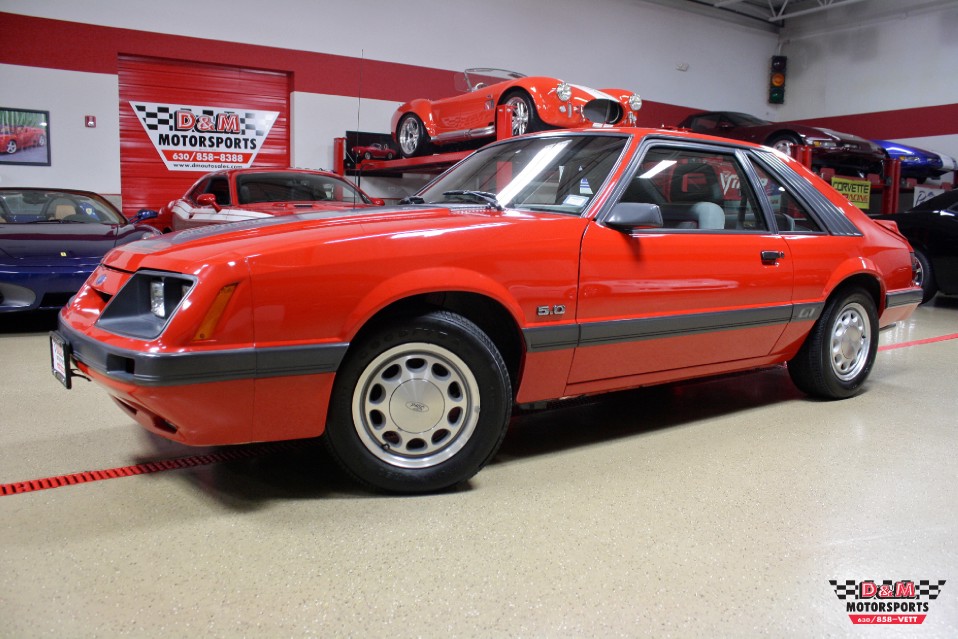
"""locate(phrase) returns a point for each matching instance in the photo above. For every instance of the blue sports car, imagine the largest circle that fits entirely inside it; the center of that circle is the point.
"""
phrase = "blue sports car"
(52, 239)
(915, 163)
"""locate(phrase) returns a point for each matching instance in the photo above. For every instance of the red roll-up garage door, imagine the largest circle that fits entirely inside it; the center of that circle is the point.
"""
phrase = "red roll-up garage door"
(166, 86)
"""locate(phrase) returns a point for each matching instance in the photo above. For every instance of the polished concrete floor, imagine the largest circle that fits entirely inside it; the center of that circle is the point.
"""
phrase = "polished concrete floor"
(719, 508)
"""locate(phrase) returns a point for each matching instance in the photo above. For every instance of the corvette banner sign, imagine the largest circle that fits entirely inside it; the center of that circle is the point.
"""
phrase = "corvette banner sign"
(204, 138)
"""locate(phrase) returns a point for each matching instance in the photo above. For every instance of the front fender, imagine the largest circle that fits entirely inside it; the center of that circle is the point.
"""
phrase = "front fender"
(424, 281)
(422, 108)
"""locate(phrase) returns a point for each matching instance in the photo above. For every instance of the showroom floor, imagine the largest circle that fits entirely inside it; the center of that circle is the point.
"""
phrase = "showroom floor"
(719, 508)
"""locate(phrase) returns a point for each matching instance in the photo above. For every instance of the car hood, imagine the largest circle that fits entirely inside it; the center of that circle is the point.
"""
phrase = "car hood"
(57, 241)
(190, 248)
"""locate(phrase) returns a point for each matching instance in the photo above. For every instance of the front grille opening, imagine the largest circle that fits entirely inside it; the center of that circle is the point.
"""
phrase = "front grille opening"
(119, 364)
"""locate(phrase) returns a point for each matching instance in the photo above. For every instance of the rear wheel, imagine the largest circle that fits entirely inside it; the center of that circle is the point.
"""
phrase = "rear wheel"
(925, 277)
(839, 352)
(405, 413)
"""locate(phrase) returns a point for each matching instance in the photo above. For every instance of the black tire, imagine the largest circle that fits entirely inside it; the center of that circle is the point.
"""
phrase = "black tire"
(404, 415)
(390, 155)
(783, 142)
(42, 140)
(926, 277)
(525, 118)
(367, 155)
(11, 146)
(839, 352)
(412, 137)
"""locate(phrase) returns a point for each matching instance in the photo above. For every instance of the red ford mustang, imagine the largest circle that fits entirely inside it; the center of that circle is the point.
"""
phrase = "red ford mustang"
(422, 126)
(544, 266)
(235, 195)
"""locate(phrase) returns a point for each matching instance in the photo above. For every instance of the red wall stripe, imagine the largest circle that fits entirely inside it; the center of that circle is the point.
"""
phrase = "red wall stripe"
(73, 46)
(918, 122)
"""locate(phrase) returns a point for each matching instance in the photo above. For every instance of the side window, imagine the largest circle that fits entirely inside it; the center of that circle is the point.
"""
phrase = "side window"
(198, 190)
(791, 216)
(220, 187)
(698, 190)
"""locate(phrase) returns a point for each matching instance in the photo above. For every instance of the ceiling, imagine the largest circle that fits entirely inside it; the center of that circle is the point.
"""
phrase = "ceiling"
(773, 15)
(774, 11)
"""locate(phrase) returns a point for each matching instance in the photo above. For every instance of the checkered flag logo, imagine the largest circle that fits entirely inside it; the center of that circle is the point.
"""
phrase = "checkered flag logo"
(155, 117)
(845, 589)
(928, 589)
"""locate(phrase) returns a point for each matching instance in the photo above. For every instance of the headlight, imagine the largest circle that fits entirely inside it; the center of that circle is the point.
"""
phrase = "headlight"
(166, 293)
(824, 144)
(635, 102)
(563, 91)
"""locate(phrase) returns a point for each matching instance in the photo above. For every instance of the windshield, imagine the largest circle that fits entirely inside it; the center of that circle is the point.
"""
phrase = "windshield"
(557, 174)
(476, 78)
(25, 206)
(295, 187)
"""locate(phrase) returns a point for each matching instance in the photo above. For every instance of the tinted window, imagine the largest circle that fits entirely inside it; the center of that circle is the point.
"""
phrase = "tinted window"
(294, 187)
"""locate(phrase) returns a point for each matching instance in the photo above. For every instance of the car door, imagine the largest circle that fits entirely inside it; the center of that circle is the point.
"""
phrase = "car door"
(712, 287)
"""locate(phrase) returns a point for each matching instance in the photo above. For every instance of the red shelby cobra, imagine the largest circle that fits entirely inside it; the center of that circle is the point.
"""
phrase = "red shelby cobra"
(14, 138)
(545, 266)
(421, 126)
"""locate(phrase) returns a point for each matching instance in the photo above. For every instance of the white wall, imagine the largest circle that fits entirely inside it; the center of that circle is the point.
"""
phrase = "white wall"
(861, 61)
(81, 157)
(606, 43)
(876, 56)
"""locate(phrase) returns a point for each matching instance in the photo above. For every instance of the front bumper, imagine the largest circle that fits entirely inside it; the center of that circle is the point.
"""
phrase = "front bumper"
(38, 287)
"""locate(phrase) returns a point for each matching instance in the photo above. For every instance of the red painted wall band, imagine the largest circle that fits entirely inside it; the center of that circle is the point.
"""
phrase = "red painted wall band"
(75, 46)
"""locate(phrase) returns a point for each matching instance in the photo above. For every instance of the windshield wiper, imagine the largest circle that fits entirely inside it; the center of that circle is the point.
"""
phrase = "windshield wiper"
(485, 196)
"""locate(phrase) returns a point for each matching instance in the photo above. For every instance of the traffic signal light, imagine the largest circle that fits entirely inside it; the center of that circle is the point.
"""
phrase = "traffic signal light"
(776, 80)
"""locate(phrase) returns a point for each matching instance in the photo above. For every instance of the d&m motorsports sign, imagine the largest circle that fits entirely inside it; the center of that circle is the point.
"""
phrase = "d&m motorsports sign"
(204, 138)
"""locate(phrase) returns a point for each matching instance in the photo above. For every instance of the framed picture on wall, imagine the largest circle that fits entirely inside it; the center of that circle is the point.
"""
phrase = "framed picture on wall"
(24, 137)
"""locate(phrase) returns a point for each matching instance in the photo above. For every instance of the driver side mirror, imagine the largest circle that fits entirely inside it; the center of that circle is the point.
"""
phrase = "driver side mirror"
(628, 216)
(209, 199)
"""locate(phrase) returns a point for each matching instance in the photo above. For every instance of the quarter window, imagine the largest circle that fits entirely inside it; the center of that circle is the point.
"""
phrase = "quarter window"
(791, 216)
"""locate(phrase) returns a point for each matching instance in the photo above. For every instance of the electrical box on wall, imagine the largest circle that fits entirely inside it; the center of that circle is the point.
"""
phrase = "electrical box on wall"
(776, 80)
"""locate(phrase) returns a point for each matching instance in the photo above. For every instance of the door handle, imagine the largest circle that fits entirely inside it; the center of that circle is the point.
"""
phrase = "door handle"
(771, 257)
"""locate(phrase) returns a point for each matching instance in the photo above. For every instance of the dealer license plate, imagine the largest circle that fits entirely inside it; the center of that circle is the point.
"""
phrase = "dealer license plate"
(60, 359)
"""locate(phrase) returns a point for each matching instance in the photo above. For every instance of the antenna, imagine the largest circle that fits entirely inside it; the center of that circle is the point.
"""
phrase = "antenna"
(359, 106)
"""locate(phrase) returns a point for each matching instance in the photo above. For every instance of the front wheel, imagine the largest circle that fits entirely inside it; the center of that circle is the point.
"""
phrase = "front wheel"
(411, 136)
(839, 352)
(525, 119)
(11, 146)
(784, 143)
(419, 406)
